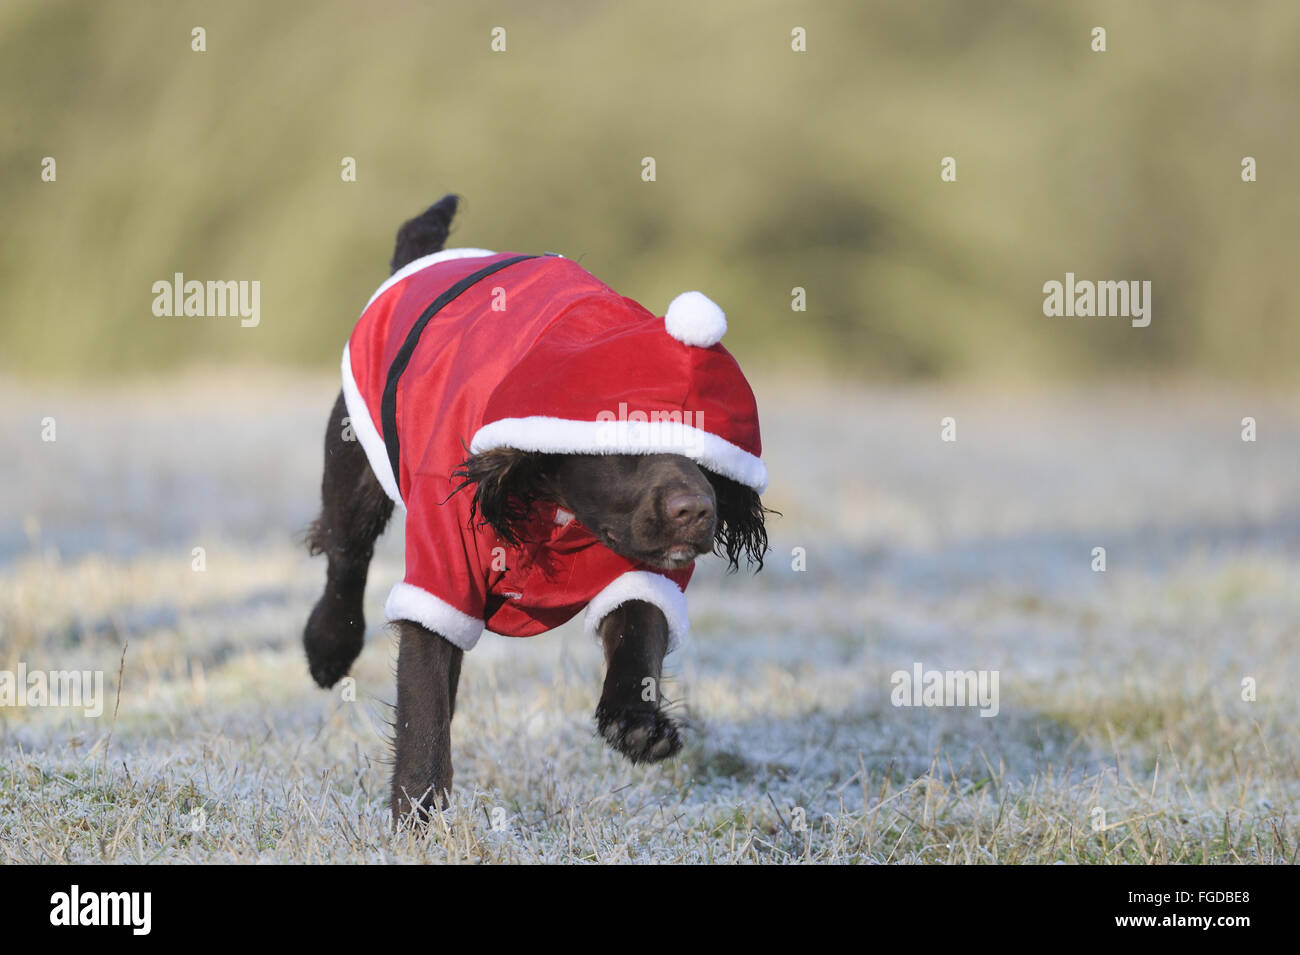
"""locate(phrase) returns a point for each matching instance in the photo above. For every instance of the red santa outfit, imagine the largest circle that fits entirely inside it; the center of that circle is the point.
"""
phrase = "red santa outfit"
(490, 350)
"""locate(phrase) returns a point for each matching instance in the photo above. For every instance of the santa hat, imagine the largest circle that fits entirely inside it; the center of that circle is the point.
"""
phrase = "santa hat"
(609, 377)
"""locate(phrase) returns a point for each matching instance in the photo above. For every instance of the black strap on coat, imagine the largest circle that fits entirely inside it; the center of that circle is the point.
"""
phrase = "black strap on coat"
(388, 406)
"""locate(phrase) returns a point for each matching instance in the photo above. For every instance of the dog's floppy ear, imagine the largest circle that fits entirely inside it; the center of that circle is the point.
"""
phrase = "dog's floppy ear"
(742, 527)
(507, 483)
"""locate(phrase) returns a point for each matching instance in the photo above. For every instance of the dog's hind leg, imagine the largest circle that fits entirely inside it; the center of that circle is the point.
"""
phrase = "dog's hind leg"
(354, 512)
(428, 671)
(630, 717)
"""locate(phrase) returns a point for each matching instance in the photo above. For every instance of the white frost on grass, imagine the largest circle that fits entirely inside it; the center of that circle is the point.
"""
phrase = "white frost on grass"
(1118, 691)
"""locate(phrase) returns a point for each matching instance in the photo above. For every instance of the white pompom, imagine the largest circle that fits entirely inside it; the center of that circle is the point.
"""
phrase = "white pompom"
(695, 319)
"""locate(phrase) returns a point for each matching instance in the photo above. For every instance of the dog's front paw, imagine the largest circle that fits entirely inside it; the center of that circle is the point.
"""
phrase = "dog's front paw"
(642, 735)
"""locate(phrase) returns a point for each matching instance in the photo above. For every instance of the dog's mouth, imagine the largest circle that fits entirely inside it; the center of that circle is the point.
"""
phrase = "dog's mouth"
(678, 556)
(674, 556)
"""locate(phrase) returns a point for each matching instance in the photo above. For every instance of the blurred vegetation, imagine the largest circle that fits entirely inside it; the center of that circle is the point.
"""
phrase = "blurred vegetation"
(775, 169)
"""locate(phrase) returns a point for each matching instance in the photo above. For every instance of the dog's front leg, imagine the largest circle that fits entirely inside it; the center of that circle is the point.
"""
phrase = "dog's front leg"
(629, 717)
(428, 671)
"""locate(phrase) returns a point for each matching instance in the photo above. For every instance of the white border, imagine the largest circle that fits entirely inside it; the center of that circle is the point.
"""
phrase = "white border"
(562, 435)
(416, 265)
(364, 428)
(409, 602)
(644, 585)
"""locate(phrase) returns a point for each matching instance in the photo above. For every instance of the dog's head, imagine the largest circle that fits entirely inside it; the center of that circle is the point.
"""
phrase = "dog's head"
(661, 509)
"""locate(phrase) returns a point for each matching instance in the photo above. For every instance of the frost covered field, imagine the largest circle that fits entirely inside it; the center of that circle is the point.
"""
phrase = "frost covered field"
(1121, 734)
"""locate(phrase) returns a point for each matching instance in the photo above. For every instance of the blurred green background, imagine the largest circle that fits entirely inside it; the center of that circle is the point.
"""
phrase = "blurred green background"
(775, 169)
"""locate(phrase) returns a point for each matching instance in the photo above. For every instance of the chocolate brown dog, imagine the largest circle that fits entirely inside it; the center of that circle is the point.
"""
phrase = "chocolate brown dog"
(642, 509)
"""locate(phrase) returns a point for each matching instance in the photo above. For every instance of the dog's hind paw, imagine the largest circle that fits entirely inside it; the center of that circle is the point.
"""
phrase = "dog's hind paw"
(332, 645)
(642, 735)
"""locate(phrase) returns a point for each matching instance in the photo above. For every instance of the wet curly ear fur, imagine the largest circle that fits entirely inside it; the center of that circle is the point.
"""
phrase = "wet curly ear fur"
(507, 483)
(742, 528)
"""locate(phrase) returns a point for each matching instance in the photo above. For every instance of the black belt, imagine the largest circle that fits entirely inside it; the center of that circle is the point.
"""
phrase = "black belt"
(388, 406)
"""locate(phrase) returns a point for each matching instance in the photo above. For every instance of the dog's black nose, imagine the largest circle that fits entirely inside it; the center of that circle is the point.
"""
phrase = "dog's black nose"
(687, 509)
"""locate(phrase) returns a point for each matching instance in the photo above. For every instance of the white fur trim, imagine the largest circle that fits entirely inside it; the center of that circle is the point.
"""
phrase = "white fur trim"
(647, 586)
(408, 602)
(416, 265)
(564, 436)
(372, 442)
(695, 319)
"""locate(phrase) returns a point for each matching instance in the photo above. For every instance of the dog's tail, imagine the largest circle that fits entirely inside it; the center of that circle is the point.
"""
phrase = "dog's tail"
(426, 233)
